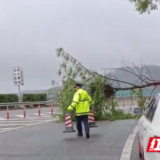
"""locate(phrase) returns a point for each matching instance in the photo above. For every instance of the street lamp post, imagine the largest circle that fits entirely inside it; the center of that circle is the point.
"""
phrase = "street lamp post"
(18, 80)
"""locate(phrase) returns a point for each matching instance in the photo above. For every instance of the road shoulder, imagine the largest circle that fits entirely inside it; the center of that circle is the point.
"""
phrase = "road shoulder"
(135, 152)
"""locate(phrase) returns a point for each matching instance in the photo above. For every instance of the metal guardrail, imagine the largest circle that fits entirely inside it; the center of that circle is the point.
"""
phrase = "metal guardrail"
(26, 103)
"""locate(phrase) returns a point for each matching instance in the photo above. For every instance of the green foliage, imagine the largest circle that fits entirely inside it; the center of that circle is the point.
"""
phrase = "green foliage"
(4, 98)
(120, 115)
(70, 71)
(143, 6)
(34, 97)
(64, 97)
(98, 96)
(141, 99)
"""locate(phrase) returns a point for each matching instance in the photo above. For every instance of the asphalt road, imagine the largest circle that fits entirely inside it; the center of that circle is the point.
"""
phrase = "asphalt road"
(135, 153)
(47, 141)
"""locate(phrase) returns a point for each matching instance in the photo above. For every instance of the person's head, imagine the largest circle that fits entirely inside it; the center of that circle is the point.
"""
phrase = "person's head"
(78, 86)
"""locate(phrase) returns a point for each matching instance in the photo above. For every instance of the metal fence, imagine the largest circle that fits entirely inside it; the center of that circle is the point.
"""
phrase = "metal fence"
(146, 93)
(20, 104)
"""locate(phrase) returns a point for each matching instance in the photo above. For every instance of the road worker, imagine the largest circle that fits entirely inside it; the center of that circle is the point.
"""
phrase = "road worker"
(81, 104)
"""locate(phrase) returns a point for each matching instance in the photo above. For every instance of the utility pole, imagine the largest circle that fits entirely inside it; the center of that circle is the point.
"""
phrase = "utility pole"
(19, 93)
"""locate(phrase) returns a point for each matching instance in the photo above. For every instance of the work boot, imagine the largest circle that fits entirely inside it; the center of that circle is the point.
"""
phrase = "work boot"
(79, 135)
(87, 135)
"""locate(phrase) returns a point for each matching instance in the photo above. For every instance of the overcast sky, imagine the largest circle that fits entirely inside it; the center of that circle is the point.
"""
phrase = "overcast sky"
(100, 33)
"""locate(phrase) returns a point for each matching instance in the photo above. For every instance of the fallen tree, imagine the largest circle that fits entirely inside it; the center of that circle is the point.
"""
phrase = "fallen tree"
(101, 87)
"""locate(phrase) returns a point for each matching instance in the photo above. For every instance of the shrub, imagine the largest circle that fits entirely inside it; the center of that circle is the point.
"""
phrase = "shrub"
(4, 98)
(34, 97)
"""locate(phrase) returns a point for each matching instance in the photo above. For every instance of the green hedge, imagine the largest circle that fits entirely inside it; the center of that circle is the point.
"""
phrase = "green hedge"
(4, 98)
(34, 97)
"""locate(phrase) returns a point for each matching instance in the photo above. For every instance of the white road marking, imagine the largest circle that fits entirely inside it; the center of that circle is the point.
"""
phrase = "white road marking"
(2, 118)
(126, 153)
(27, 117)
(14, 124)
(47, 116)
(24, 121)
(21, 116)
(49, 112)
(4, 129)
(36, 114)
(54, 112)
(38, 118)
(26, 126)
(18, 121)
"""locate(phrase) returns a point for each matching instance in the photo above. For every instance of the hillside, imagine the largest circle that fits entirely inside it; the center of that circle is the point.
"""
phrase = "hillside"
(58, 88)
(152, 72)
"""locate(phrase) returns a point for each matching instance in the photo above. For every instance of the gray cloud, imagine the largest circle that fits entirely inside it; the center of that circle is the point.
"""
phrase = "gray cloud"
(99, 33)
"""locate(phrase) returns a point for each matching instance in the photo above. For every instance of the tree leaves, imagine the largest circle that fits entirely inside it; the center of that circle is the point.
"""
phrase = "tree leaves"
(53, 82)
(143, 6)
(64, 66)
(59, 72)
(59, 50)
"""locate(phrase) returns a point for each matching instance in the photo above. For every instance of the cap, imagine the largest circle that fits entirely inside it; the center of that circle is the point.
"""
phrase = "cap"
(78, 85)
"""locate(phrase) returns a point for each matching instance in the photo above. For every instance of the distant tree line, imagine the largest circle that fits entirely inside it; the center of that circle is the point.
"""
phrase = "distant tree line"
(4, 98)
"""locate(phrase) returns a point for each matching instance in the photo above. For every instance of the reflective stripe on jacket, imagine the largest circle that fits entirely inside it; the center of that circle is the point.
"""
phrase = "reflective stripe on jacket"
(81, 103)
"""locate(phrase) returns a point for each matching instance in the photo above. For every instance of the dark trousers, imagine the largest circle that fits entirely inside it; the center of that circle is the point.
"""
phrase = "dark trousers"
(83, 119)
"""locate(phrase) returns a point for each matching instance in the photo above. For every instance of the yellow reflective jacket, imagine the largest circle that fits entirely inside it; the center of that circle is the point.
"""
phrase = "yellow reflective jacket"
(81, 103)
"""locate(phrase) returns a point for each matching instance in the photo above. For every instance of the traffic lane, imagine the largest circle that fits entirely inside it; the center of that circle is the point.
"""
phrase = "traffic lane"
(135, 152)
(48, 141)
(9, 125)
(29, 111)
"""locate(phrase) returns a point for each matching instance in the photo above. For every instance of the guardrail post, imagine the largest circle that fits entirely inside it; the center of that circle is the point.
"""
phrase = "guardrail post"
(39, 110)
(51, 110)
(7, 114)
(24, 112)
